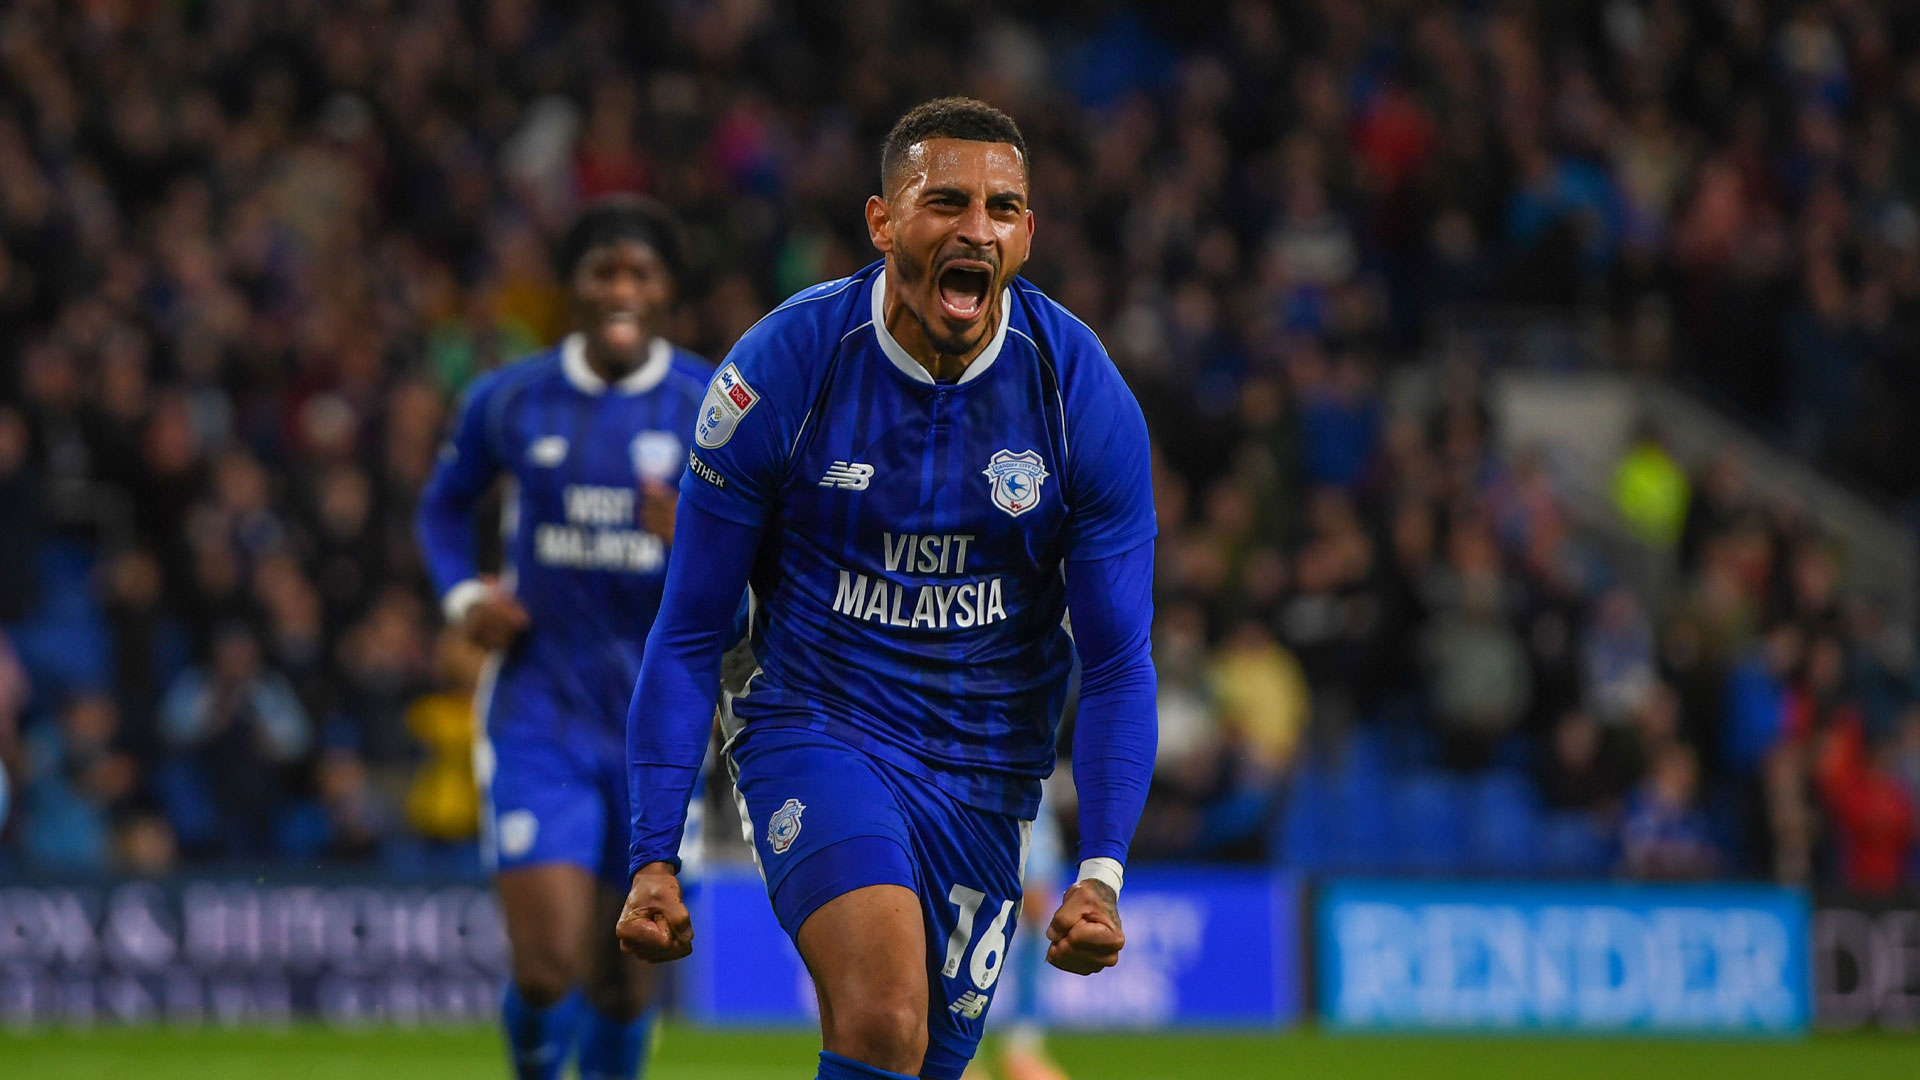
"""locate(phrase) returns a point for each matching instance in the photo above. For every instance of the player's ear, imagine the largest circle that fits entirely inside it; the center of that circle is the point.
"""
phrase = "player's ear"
(879, 224)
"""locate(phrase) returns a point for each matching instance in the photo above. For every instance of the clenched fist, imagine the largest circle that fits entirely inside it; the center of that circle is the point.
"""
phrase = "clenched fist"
(655, 924)
(1085, 932)
(495, 619)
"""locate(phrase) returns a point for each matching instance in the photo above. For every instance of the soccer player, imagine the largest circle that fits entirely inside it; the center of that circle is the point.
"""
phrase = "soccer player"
(590, 434)
(919, 469)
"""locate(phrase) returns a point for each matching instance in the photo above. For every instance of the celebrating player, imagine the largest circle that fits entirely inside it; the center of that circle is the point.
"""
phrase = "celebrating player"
(590, 433)
(918, 469)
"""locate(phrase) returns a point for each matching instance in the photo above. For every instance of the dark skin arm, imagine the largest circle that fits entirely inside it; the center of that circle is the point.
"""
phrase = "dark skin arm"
(658, 502)
(1085, 933)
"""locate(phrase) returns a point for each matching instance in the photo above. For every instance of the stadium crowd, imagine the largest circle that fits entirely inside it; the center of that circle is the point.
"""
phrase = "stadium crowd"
(250, 253)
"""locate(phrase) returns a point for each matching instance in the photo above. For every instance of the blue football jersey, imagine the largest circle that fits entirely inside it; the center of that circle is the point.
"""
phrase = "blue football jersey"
(575, 450)
(908, 590)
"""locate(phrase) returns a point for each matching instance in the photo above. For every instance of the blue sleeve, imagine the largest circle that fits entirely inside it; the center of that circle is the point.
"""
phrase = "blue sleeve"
(746, 427)
(672, 710)
(1110, 461)
(466, 468)
(1110, 601)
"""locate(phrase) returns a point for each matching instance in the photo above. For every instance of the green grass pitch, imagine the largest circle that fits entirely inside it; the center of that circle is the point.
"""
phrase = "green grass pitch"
(687, 1054)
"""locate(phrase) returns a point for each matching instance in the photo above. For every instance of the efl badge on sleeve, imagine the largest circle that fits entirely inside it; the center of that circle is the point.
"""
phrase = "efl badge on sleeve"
(785, 826)
(1016, 480)
(728, 399)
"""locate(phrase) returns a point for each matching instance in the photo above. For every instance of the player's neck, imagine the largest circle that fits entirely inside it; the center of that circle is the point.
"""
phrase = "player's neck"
(906, 329)
(612, 369)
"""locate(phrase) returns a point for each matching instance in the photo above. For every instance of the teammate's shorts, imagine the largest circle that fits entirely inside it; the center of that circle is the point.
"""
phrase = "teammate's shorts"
(549, 801)
(827, 819)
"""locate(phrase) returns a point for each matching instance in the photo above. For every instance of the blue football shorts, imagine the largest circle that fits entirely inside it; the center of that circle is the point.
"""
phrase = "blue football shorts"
(551, 800)
(826, 819)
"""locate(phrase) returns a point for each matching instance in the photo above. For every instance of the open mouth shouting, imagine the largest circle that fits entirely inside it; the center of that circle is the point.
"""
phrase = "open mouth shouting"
(962, 286)
(620, 330)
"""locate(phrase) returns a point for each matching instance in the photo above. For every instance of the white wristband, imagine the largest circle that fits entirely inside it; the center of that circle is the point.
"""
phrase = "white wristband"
(461, 598)
(1108, 872)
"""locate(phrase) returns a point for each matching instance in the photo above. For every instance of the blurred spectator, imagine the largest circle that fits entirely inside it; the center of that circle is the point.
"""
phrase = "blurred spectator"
(1584, 768)
(77, 778)
(1617, 660)
(1873, 813)
(1262, 696)
(1478, 678)
(234, 728)
(1664, 834)
(1651, 492)
(1757, 698)
(441, 802)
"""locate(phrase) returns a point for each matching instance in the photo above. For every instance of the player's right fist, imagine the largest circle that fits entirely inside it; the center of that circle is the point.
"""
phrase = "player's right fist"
(655, 924)
(495, 619)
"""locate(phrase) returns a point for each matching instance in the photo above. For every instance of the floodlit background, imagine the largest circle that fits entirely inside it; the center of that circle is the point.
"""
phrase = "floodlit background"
(1533, 385)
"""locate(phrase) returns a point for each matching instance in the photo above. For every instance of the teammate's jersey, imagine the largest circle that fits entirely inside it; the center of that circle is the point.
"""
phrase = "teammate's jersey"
(575, 555)
(909, 587)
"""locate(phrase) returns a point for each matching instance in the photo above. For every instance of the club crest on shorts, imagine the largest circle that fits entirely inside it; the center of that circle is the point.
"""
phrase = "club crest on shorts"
(785, 826)
(517, 831)
(1015, 480)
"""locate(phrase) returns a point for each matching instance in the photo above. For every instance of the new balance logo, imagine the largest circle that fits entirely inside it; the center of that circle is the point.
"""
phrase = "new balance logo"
(549, 450)
(970, 1005)
(848, 476)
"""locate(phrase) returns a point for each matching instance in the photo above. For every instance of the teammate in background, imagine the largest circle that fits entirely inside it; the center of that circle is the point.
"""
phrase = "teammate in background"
(918, 469)
(590, 434)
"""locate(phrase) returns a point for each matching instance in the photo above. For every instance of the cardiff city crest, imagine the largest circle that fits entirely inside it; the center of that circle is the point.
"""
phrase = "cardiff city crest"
(657, 455)
(785, 826)
(1016, 480)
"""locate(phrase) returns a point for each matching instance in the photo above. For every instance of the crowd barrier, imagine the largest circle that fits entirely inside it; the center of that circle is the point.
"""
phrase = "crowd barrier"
(1720, 960)
(1209, 948)
(236, 953)
(1866, 963)
(1206, 947)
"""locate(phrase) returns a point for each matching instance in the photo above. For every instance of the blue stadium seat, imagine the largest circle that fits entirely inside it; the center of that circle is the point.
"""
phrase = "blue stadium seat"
(1572, 845)
(1302, 840)
(1362, 820)
(1432, 830)
(1506, 821)
(65, 645)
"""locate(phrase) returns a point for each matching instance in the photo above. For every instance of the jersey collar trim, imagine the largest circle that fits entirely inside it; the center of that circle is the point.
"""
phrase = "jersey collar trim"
(573, 363)
(908, 365)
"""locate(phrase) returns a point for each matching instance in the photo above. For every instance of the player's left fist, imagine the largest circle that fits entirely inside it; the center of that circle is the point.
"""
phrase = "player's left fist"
(655, 924)
(1085, 933)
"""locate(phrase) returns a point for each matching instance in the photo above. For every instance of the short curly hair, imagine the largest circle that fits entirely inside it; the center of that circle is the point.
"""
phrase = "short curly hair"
(947, 118)
(615, 218)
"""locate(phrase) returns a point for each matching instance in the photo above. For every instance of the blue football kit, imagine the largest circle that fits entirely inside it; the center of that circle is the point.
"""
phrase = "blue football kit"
(913, 548)
(575, 450)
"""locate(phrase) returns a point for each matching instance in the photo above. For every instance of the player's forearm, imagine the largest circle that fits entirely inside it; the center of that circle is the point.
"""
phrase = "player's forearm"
(1111, 601)
(445, 527)
(672, 710)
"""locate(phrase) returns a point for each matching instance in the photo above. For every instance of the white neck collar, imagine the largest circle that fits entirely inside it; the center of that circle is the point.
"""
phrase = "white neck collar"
(573, 362)
(908, 364)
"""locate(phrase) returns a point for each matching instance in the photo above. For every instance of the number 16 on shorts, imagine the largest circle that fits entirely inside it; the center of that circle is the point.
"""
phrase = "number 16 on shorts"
(989, 952)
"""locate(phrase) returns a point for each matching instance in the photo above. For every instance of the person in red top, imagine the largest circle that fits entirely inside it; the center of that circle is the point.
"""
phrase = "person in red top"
(1872, 815)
